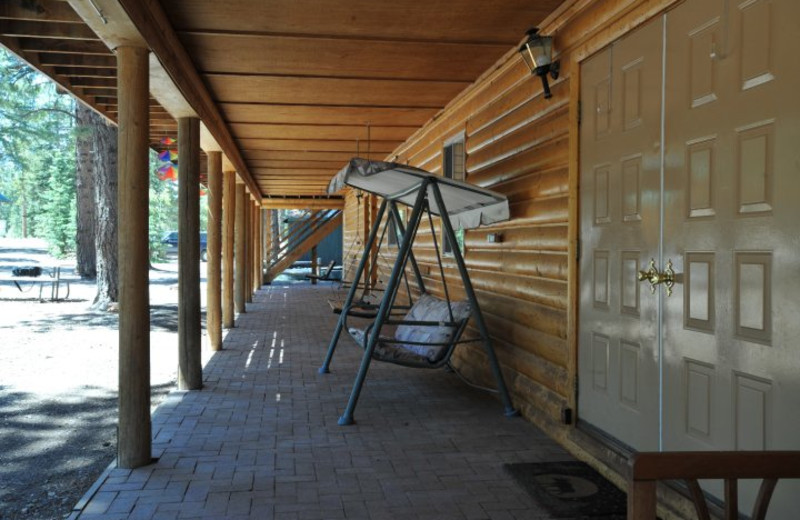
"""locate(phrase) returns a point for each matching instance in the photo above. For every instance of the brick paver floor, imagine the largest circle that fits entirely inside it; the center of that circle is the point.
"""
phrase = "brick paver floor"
(261, 440)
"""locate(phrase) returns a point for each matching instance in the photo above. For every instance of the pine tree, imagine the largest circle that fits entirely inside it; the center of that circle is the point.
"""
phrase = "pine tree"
(37, 157)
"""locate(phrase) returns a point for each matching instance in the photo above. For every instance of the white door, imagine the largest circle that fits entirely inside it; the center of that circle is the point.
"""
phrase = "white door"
(730, 331)
(620, 219)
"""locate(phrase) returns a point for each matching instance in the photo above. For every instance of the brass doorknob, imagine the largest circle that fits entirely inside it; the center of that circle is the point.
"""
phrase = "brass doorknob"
(655, 277)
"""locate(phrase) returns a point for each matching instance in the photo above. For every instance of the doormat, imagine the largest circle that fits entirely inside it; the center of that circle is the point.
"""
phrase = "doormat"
(570, 489)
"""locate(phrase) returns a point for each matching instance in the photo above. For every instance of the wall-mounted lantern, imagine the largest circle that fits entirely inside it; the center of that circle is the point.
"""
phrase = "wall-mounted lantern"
(537, 52)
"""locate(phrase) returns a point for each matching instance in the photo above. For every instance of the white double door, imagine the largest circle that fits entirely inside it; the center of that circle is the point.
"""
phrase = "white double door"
(690, 154)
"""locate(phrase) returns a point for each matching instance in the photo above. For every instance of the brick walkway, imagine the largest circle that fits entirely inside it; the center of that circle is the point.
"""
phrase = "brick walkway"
(261, 439)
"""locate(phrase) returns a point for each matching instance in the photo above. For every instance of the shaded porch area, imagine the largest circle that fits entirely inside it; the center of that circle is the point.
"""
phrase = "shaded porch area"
(261, 440)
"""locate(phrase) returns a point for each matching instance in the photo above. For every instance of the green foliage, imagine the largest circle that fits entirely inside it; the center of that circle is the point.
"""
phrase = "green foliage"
(163, 209)
(37, 164)
(37, 156)
(55, 220)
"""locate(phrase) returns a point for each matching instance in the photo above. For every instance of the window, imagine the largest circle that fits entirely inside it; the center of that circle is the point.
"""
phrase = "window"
(454, 166)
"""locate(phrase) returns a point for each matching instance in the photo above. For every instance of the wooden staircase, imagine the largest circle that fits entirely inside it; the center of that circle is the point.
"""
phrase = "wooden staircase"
(299, 238)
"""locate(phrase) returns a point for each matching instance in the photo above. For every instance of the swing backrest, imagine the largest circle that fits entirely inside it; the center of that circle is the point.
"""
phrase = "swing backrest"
(432, 341)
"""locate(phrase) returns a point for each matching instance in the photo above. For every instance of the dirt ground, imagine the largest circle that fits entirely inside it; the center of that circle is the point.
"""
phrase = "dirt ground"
(58, 383)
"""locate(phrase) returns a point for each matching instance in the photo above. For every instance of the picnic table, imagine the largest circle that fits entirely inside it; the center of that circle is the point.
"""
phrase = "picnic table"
(51, 278)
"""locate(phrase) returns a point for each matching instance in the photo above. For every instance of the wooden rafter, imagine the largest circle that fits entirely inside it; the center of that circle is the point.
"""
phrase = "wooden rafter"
(52, 38)
(47, 30)
(38, 10)
(76, 47)
(149, 18)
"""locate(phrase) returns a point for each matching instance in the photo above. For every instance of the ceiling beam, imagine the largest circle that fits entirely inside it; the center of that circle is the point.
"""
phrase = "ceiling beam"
(315, 114)
(82, 47)
(92, 81)
(38, 10)
(302, 203)
(301, 155)
(299, 165)
(151, 21)
(491, 21)
(97, 91)
(282, 191)
(79, 60)
(310, 90)
(85, 72)
(289, 55)
(321, 132)
(293, 173)
(352, 147)
(47, 30)
(31, 59)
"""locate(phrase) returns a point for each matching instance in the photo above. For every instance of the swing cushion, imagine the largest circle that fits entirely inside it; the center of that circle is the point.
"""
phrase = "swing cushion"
(435, 339)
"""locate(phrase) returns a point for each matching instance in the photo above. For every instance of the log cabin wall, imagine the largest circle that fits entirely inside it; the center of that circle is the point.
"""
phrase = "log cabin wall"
(524, 146)
(352, 233)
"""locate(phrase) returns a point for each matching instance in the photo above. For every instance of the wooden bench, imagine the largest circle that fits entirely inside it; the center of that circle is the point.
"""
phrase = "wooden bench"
(50, 278)
(647, 468)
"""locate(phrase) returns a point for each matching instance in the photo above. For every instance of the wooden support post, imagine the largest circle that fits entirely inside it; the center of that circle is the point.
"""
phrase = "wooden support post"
(314, 264)
(214, 252)
(257, 246)
(228, 219)
(254, 210)
(262, 254)
(269, 237)
(134, 442)
(642, 499)
(248, 244)
(190, 370)
(240, 274)
(251, 257)
(276, 233)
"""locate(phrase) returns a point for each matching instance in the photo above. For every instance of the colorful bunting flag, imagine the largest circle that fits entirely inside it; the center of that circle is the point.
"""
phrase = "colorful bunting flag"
(168, 172)
(168, 156)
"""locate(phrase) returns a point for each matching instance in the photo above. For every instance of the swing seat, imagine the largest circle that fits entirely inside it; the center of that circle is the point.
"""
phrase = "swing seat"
(424, 338)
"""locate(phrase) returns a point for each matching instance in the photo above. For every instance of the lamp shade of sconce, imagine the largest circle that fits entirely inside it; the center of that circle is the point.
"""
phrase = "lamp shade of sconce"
(537, 52)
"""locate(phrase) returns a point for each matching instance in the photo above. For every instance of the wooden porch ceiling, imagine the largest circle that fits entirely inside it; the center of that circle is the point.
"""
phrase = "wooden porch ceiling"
(301, 85)
(50, 36)
(305, 84)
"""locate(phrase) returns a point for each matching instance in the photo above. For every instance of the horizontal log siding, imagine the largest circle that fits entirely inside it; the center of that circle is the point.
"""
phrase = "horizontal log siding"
(352, 234)
(523, 146)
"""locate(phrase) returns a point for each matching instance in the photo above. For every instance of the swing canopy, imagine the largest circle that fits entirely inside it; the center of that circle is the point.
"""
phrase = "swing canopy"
(467, 205)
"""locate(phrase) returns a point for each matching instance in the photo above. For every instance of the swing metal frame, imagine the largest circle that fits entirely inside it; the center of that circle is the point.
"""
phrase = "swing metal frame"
(360, 307)
(428, 188)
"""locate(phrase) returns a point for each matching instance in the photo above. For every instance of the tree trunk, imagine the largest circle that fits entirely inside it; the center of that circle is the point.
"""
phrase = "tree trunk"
(85, 252)
(104, 164)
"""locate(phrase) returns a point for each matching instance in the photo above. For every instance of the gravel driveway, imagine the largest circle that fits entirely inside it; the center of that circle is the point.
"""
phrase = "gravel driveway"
(58, 384)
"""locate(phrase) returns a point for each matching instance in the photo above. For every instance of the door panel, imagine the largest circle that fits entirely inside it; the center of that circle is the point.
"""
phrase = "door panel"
(728, 369)
(620, 172)
(731, 353)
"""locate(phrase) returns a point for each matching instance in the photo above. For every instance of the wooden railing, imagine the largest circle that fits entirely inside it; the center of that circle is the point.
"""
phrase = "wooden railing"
(730, 466)
(300, 237)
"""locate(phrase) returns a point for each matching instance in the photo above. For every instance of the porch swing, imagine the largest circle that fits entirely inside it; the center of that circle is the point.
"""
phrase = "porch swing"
(431, 329)
(372, 288)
